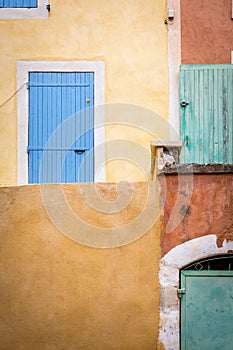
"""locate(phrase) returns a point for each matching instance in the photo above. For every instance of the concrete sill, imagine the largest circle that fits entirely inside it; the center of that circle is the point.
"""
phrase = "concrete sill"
(193, 168)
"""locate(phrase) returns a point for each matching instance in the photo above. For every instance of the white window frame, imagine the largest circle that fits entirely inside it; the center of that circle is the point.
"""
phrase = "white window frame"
(23, 69)
(174, 61)
(22, 13)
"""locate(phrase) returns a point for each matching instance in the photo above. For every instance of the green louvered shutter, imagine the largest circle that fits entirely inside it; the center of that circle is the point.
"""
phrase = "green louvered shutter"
(206, 93)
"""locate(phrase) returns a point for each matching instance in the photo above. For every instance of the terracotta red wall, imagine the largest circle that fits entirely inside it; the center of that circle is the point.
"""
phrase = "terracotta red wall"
(206, 31)
(208, 212)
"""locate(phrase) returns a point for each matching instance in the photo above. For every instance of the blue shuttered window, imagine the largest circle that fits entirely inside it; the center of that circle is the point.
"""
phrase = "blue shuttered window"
(61, 127)
(18, 3)
(206, 113)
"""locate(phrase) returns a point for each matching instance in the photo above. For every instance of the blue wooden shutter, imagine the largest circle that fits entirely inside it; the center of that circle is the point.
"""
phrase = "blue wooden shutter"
(55, 100)
(206, 93)
(18, 3)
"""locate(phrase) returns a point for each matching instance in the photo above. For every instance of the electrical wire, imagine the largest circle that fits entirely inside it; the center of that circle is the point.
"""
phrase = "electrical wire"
(15, 93)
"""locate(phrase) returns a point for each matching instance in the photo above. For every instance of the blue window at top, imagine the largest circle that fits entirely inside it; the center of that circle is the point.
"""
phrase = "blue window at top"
(18, 3)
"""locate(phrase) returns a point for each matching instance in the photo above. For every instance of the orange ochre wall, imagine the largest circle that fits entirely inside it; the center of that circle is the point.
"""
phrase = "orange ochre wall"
(58, 294)
(206, 31)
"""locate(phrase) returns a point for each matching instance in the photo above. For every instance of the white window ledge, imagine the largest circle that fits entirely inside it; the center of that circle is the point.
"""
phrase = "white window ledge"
(25, 13)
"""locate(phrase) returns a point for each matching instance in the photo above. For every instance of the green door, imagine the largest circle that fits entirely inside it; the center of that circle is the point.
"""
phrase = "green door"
(207, 310)
(206, 104)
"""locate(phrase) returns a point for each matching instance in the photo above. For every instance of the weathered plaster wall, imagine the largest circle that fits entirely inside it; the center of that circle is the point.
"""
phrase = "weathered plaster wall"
(206, 31)
(129, 36)
(196, 224)
(58, 294)
(201, 204)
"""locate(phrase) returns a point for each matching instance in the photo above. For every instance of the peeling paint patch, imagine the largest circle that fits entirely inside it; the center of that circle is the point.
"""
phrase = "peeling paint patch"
(219, 242)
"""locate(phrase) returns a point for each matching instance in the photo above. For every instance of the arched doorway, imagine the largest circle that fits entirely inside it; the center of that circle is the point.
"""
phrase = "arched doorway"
(206, 293)
(171, 264)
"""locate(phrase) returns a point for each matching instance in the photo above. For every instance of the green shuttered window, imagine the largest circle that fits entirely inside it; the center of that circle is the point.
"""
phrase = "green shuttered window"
(206, 93)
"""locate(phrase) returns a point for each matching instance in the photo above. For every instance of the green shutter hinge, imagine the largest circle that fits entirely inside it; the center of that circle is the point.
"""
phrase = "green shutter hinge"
(186, 141)
(180, 292)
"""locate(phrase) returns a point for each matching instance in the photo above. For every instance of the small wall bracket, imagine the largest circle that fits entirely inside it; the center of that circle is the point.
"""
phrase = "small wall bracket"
(170, 14)
(162, 154)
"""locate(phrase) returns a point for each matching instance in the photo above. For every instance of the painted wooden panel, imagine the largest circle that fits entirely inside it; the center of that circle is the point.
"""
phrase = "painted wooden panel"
(207, 310)
(18, 3)
(206, 93)
(61, 127)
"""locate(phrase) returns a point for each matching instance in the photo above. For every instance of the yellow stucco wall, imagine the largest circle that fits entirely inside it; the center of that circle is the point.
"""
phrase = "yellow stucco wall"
(58, 294)
(129, 36)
